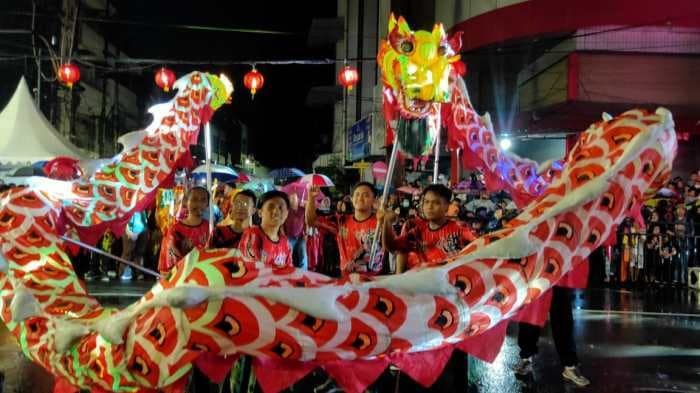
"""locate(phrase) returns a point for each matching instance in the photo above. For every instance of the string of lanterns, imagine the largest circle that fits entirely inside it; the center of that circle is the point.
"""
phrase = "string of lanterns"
(253, 80)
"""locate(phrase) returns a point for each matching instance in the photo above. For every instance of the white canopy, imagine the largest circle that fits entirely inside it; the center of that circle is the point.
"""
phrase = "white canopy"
(26, 136)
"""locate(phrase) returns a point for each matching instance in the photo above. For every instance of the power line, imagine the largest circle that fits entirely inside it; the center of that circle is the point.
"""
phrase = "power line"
(151, 61)
(144, 62)
(15, 31)
(218, 29)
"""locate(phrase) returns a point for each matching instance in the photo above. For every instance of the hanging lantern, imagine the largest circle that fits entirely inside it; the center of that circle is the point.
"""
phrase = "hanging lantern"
(68, 73)
(165, 79)
(348, 77)
(253, 81)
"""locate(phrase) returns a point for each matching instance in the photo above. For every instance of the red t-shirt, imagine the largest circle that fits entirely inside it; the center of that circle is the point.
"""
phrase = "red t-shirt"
(256, 245)
(355, 241)
(180, 240)
(225, 237)
(432, 246)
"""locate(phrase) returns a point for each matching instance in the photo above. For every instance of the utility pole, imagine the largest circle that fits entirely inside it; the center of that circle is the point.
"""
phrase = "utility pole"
(345, 91)
(37, 96)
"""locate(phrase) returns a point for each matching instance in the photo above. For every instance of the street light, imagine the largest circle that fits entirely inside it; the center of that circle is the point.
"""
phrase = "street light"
(505, 143)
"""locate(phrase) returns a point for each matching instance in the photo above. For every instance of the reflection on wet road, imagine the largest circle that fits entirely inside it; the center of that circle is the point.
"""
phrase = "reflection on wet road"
(627, 341)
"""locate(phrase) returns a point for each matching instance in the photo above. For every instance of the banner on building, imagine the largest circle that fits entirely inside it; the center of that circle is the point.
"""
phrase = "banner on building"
(358, 144)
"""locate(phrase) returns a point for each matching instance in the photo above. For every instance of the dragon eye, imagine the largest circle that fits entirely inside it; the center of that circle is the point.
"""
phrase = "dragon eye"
(442, 50)
(565, 230)
(362, 341)
(406, 47)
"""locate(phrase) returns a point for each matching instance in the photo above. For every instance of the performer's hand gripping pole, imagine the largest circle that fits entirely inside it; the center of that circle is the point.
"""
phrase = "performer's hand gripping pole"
(385, 192)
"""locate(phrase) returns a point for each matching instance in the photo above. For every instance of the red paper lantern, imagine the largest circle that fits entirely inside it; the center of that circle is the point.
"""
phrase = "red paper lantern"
(348, 77)
(165, 79)
(69, 73)
(253, 81)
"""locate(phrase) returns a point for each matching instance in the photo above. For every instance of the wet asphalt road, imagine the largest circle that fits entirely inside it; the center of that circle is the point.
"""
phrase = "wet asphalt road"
(641, 340)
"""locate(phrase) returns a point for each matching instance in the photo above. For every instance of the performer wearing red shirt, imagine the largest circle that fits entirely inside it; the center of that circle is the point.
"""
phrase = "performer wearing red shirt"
(228, 234)
(354, 233)
(432, 239)
(185, 235)
(265, 243)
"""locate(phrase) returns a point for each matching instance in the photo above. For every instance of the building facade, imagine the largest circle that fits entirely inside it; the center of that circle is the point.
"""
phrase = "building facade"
(544, 69)
(101, 107)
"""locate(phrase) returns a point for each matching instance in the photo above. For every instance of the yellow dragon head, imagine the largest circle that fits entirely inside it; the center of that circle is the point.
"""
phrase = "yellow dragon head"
(222, 89)
(416, 65)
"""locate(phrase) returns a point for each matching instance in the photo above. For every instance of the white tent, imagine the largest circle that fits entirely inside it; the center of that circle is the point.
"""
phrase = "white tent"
(26, 136)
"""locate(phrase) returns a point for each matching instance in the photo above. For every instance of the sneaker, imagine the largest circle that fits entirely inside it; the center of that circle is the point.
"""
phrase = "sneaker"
(140, 277)
(104, 279)
(524, 366)
(89, 276)
(573, 374)
(112, 274)
(127, 275)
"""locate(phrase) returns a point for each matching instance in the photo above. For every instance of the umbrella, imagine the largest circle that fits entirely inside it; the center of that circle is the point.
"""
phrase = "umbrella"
(243, 177)
(654, 202)
(258, 185)
(29, 171)
(379, 170)
(294, 188)
(317, 179)
(462, 186)
(666, 192)
(300, 190)
(408, 190)
(285, 173)
(223, 173)
(40, 164)
(63, 168)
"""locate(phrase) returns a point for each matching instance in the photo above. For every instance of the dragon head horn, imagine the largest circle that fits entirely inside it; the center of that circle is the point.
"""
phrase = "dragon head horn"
(392, 22)
(455, 41)
(438, 32)
(401, 25)
(228, 85)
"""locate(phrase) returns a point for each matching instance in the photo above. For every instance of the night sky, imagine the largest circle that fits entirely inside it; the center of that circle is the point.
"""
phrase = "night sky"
(278, 116)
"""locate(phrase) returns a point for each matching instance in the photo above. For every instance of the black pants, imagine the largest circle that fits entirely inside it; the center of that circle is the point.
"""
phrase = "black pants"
(562, 322)
(596, 262)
